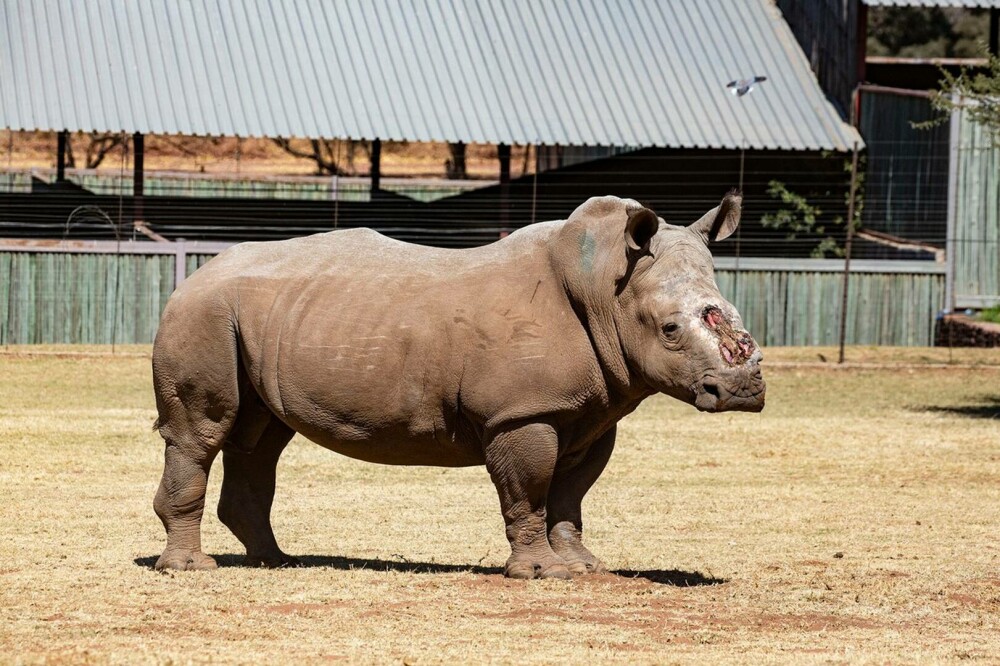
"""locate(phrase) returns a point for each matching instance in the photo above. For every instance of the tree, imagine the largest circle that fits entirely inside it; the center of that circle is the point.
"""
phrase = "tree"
(797, 216)
(99, 145)
(926, 32)
(328, 154)
(977, 94)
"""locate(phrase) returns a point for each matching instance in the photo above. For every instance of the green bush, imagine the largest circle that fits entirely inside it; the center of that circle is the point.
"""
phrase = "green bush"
(991, 314)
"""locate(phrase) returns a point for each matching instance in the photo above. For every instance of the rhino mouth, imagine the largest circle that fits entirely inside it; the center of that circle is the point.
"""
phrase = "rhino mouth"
(744, 393)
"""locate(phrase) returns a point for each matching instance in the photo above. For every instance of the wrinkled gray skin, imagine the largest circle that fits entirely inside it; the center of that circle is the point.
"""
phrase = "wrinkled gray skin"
(522, 356)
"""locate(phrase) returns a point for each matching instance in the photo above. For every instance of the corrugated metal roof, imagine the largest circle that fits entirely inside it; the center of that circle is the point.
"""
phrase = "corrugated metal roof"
(570, 72)
(968, 4)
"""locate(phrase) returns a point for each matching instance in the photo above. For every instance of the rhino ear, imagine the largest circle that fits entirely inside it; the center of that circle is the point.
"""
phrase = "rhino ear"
(720, 222)
(642, 225)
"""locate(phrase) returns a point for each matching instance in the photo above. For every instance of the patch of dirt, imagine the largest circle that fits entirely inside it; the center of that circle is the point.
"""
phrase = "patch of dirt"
(295, 608)
(479, 582)
(804, 622)
(958, 330)
(970, 601)
(993, 582)
(895, 574)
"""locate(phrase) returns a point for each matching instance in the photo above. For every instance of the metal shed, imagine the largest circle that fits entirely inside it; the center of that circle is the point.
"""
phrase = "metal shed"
(635, 73)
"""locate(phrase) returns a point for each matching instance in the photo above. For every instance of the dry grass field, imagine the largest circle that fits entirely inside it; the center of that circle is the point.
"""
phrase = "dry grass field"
(856, 520)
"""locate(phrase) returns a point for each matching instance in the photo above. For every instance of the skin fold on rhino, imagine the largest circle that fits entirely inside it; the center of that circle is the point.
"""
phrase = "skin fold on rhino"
(522, 356)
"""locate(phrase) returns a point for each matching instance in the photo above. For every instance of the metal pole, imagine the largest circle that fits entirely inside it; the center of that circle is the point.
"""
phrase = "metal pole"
(61, 140)
(376, 171)
(138, 178)
(180, 261)
(847, 251)
(534, 185)
(950, 248)
(739, 235)
(503, 154)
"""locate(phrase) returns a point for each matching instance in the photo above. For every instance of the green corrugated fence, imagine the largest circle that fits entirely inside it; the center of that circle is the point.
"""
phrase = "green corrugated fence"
(976, 236)
(98, 297)
(803, 307)
(82, 298)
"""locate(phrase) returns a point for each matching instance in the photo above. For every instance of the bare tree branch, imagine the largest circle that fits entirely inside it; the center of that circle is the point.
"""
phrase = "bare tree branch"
(99, 146)
(322, 152)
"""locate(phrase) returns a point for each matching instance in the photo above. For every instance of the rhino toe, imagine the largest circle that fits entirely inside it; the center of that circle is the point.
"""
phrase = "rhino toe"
(527, 568)
(185, 561)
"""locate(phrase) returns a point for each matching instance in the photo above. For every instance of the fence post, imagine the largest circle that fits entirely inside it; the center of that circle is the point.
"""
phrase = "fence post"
(180, 259)
(955, 137)
(847, 251)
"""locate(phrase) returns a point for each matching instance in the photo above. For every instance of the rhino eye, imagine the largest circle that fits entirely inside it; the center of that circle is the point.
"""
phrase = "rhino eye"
(670, 328)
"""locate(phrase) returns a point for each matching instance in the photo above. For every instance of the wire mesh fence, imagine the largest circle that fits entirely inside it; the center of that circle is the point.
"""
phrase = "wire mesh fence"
(795, 208)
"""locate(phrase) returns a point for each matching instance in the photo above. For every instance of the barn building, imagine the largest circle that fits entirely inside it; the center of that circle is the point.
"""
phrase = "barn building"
(642, 83)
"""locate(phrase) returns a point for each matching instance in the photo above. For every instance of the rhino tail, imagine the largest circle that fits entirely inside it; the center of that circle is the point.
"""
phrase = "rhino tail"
(156, 424)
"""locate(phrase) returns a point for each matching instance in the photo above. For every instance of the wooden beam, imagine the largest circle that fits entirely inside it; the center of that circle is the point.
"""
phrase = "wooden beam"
(503, 154)
(901, 92)
(138, 172)
(62, 141)
(376, 172)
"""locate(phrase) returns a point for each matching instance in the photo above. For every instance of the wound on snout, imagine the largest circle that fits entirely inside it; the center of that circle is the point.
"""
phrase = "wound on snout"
(735, 347)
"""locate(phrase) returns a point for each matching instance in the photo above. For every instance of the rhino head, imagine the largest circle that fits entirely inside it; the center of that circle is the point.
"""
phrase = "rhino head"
(648, 294)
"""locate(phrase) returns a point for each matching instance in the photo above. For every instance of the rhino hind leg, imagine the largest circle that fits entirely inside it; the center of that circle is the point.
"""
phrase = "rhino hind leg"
(564, 517)
(248, 492)
(520, 462)
(180, 502)
(197, 397)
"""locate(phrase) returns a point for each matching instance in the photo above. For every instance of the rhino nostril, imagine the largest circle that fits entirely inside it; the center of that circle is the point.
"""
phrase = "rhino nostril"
(711, 389)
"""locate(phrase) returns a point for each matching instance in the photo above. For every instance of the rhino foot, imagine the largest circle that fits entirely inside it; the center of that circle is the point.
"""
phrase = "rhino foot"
(567, 543)
(526, 568)
(580, 568)
(185, 561)
(280, 562)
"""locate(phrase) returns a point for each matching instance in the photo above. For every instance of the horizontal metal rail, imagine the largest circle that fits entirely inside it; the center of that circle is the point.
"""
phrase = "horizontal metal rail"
(181, 249)
(111, 247)
(786, 265)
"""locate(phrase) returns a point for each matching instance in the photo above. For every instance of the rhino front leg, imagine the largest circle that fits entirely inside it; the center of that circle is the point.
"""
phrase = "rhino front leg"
(521, 462)
(571, 481)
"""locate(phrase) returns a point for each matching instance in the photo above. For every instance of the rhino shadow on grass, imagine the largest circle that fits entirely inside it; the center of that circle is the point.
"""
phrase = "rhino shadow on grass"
(984, 407)
(671, 577)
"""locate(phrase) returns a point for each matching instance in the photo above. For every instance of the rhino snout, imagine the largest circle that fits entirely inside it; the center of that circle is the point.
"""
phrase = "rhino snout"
(742, 392)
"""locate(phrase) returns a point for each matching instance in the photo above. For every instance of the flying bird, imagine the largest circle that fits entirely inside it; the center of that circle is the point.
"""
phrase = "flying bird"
(741, 87)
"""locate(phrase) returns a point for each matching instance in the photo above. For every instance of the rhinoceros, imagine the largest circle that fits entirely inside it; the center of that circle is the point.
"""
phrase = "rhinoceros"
(521, 355)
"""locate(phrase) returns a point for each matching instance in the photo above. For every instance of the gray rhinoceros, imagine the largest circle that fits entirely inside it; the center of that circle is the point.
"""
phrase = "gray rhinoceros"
(522, 356)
